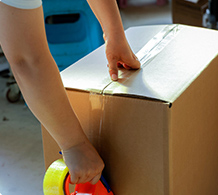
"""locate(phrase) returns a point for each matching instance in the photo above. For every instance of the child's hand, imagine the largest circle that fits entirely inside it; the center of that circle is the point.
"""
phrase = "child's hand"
(119, 53)
(84, 163)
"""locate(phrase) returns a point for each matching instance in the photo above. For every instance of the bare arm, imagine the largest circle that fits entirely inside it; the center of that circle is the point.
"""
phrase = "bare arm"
(22, 37)
(25, 46)
(117, 47)
(108, 15)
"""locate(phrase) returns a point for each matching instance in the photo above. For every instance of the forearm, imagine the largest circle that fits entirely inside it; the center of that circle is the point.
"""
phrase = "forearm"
(44, 93)
(108, 15)
(24, 43)
(25, 46)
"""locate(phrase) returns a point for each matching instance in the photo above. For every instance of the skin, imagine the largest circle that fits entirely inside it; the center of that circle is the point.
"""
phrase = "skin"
(117, 51)
(23, 40)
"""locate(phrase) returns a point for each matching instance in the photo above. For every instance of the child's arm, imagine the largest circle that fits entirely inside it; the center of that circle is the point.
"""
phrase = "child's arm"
(117, 47)
(23, 40)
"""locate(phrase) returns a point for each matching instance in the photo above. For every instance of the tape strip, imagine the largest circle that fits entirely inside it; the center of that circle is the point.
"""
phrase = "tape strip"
(147, 53)
(153, 48)
(157, 43)
(96, 117)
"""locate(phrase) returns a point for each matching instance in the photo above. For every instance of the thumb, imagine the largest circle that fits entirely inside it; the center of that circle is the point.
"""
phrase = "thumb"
(113, 69)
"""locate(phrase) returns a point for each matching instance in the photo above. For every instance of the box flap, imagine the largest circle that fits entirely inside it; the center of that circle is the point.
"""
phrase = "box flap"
(172, 56)
(91, 72)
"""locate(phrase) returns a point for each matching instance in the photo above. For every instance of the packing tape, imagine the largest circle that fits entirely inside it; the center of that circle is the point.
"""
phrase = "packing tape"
(151, 49)
(96, 117)
(145, 55)
(157, 43)
(54, 178)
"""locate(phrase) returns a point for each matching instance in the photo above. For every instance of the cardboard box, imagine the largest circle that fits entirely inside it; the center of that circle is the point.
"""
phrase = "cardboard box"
(156, 128)
(190, 13)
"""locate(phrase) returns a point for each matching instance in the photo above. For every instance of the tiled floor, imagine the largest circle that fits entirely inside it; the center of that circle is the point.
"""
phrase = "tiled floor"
(21, 154)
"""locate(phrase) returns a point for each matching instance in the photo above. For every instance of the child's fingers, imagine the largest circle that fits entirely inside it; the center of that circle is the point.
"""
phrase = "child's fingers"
(95, 179)
(134, 63)
(131, 63)
(113, 69)
(74, 178)
(119, 64)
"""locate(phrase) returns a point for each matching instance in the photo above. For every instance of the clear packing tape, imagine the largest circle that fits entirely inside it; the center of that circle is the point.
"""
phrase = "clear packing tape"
(57, 173)
(145, 55)
(81, 77)
(153, 48)
(97, 103)
(157, 44)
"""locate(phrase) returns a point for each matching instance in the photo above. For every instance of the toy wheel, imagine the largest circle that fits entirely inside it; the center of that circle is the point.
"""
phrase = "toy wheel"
(13, 93)
(54, 180)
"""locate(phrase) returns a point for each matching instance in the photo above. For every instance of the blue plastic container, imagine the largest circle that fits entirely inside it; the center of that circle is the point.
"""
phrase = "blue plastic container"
(72, 30)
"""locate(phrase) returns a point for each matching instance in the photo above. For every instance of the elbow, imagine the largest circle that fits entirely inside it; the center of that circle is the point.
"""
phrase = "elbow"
(28, 65)
(21, 66)
(22, 62)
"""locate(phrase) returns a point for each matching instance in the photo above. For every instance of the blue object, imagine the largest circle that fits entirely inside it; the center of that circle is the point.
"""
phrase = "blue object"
(106, 185)
(72, 30)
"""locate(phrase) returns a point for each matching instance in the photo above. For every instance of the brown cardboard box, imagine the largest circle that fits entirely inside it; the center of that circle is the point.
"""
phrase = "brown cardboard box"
(156, 128)
(186, 12)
